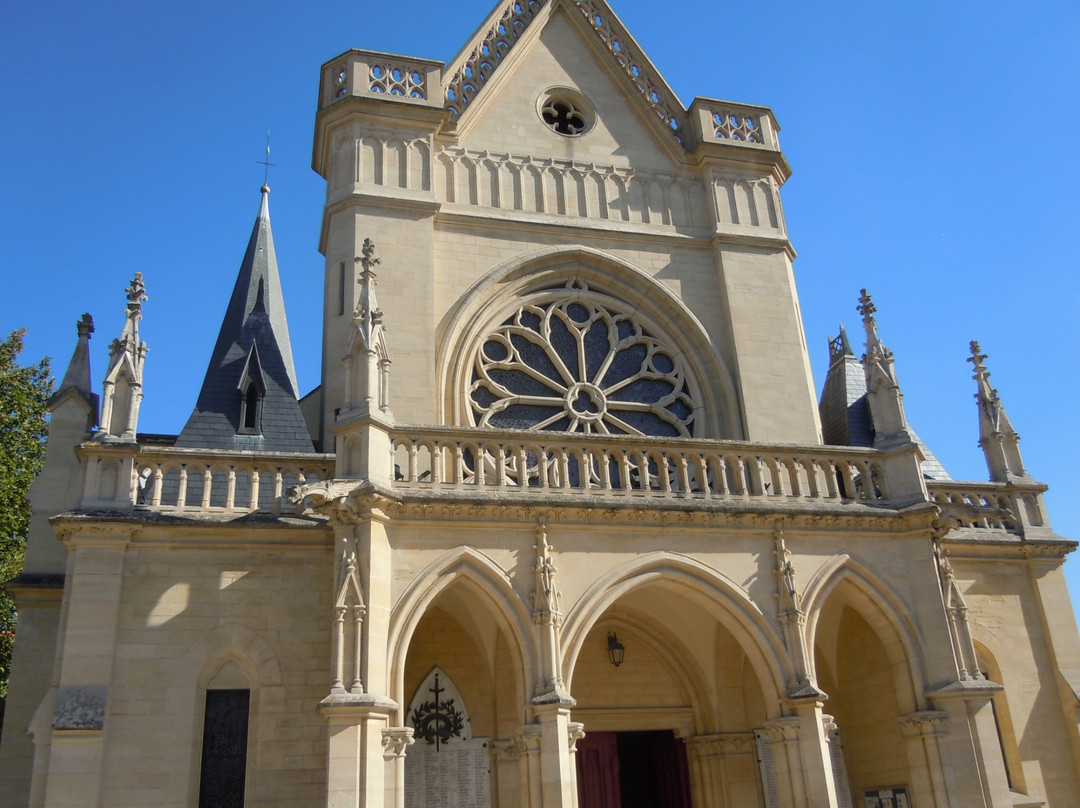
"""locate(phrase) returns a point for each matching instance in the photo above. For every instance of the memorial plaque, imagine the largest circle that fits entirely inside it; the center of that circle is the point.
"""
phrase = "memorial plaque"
(768, 770)
(456, 775)
(446, 767)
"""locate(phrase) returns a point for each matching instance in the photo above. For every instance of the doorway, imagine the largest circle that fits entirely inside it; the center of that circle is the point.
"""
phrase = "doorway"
(632, 770)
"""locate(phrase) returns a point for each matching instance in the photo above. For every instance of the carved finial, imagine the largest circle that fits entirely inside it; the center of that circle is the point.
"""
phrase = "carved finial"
(866, 307)
(85, 326)
(136, 296)
(978, 362)
(367, 261)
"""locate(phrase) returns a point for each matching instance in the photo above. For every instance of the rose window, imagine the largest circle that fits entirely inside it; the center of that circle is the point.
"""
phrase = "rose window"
(579, 363)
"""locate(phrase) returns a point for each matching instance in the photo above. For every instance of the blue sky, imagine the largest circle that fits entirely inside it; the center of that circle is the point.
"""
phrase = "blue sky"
(933, 148)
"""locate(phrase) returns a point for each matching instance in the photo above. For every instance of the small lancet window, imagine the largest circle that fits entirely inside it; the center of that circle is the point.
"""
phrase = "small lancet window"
(249, 409)
(223, 772)
(252, 389)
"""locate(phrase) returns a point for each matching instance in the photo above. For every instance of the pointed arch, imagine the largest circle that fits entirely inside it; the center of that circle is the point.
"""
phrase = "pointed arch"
(885, 612)
(745, 621)
(497, 292)
(493, 592)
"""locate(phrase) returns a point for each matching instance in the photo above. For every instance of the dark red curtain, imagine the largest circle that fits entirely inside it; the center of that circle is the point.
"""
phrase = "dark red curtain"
(632, 770)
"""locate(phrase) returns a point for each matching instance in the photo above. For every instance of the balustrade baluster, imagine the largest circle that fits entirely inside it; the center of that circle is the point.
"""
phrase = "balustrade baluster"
(156, 499)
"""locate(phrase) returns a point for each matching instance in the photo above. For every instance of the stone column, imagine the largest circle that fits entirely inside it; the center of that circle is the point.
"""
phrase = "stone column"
(724, 770)
(508, 783)
(972, 762)
(356, 771)
(92, 609)
(395, 741)
(800, 755)
(528, 744)
(923, 733)
(575, 732)
(556, 763)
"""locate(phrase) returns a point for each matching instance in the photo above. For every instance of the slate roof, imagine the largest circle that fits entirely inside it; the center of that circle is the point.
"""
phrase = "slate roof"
(845, 411)
(254, 326)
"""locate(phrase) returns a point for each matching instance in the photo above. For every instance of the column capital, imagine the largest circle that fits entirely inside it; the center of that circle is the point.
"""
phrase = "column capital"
(396, 740)
(925, 723)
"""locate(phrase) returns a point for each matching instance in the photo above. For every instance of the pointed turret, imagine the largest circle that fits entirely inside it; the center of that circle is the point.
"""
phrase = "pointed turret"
(124, 378)
(845, 415)
(249, 398)
(997, 438)
(77, 378)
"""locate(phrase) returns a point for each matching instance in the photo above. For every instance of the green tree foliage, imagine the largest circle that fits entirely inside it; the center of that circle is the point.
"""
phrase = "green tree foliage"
(24, 392)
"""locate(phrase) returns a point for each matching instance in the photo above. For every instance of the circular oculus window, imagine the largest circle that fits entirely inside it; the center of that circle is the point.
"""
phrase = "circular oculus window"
(566, 112)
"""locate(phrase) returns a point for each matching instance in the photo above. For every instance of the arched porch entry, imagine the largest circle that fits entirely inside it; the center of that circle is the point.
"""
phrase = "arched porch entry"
(461, 618)
(866, 658)
(673, 724)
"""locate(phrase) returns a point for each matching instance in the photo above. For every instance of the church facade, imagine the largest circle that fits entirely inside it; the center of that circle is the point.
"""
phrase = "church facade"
(565, 524)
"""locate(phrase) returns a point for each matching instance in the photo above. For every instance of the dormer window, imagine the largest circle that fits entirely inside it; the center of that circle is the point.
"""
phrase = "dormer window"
(251, 409)
(252, 388)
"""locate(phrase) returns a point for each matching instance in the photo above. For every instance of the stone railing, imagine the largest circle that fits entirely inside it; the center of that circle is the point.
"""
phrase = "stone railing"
(446, 458)
(381, 75)
(485, 51)
(207, 480)
(990, 506)
(735, 124)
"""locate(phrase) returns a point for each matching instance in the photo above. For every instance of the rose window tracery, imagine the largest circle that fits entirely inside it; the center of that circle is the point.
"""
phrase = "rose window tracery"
(573, 360)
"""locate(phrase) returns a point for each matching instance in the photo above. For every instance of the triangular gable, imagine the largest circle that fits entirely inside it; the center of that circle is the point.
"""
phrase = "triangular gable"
(502, 43)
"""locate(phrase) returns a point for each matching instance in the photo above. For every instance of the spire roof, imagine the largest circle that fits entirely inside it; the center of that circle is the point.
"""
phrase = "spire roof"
(249, 398)
(77, 377)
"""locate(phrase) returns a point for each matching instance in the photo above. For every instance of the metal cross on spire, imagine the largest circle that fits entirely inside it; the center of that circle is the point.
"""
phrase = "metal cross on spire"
(265, 162)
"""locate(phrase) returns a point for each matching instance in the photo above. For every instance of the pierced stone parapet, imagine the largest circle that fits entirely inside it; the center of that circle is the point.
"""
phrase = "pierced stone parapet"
(484, 53)
(552, 462)
(648, 82)
(358, 73)
(729, 123)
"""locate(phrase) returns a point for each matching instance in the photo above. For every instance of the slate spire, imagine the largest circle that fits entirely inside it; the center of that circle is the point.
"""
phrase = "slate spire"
(249, 398)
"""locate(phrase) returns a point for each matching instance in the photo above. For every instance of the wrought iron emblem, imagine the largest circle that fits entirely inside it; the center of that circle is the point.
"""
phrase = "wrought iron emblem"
(437, 721)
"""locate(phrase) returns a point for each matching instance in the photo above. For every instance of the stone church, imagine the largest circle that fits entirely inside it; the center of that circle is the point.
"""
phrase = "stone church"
(564, 524)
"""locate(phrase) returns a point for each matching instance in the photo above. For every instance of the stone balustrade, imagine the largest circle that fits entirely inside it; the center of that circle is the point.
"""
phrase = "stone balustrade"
(991, 506)
(359, 73)
(549, 462)
(168, 478)
(434, 458)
